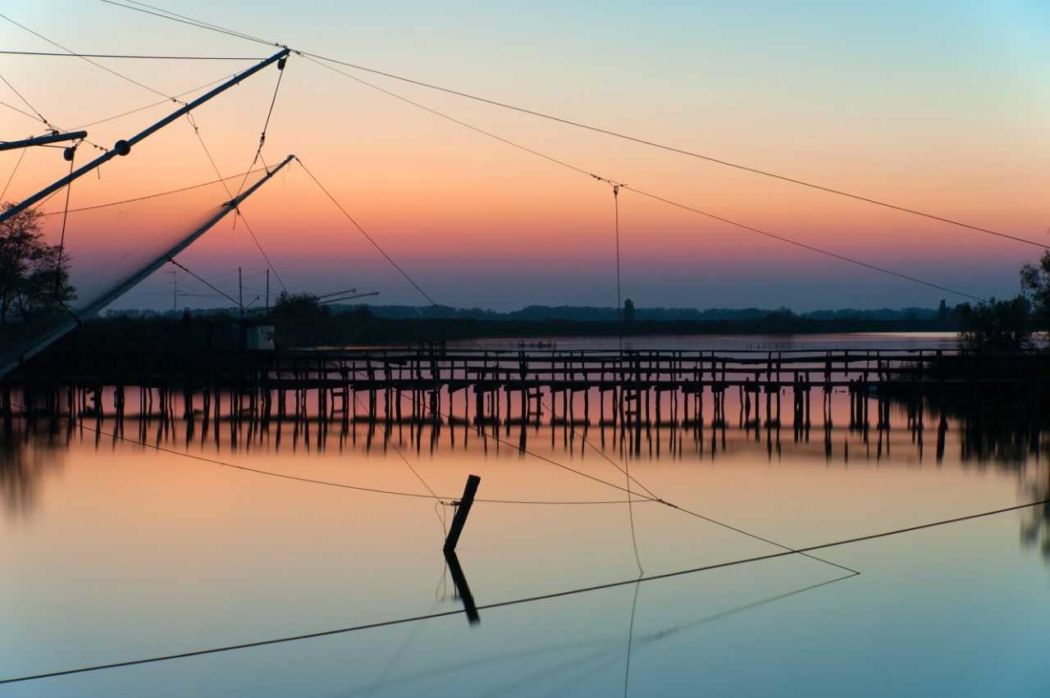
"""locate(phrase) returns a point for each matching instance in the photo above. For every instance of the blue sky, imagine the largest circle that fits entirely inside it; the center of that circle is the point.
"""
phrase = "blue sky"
(935, 105)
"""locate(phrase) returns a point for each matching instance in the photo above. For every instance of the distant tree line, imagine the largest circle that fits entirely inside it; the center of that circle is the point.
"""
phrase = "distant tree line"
(992, 326)
(631, 312)
(302, 319)
(1009, 325)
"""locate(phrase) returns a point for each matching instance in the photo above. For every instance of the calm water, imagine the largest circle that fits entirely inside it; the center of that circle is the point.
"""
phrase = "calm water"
(114, 550)
(751, 342)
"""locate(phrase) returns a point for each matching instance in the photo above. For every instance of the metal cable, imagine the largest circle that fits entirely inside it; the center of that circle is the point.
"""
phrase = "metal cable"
(341, 485)
(145, 56)
(806, 246)
(36, 111)
(625, 471)
(532, 599)
(11, 177)
(206, 283)
(238, 212)
(89, 60)
(551, 461)
(152, 104)
(317, 58)
(146, 197)
(266, 123)
(439, 502)
(581, 170)
(183, 19)
(62, 235)
(48, 124)
(366, 235)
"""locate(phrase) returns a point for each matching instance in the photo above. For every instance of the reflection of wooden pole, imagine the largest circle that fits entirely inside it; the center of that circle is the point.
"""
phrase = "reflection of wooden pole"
(460, 580)
(462, 512)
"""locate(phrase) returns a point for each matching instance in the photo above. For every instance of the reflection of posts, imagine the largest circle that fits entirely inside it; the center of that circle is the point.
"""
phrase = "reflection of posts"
(462, 588)
(942, 429)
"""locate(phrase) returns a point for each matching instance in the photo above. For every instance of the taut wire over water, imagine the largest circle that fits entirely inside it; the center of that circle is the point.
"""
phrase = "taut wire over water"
(540, 597)
(331, 483)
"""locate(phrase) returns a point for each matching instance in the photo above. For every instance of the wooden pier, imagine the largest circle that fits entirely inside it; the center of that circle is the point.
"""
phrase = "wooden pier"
(528, 387)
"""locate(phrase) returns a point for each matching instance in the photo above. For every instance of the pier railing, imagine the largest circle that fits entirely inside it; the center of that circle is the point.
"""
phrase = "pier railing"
(564, 369)
(499, 386)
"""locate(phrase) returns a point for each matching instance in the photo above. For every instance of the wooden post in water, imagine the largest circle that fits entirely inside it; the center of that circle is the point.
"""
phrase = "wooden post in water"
(462, 512)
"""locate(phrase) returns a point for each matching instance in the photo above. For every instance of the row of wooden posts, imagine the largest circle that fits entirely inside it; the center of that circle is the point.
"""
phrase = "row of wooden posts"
(607, 405)
(482, 388)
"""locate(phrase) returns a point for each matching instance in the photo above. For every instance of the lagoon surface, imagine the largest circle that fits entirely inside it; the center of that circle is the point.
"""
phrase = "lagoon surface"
(860, 341)
(115, 550)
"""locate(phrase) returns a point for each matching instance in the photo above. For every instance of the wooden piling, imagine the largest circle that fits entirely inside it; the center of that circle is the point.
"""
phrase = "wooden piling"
(462, 512)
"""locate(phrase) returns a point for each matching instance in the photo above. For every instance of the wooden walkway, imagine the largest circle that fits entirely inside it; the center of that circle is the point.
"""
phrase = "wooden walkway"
(529, 386)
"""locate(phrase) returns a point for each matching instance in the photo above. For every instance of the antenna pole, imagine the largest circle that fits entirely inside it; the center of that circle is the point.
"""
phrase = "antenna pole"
(267, 291)
(123, 147)
(174, 290)
(240, 291)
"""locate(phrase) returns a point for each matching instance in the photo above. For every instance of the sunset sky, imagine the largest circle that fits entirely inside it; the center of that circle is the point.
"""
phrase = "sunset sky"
(941, 106)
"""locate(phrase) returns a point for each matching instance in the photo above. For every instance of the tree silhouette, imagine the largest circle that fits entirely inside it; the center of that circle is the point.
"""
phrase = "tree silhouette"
(34, 276)
(995, 326)
(1035, 284)
(298, 306)
(628, 310)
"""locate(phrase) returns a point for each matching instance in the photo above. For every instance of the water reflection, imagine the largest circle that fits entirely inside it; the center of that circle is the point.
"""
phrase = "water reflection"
(31, 447)
(270, 540)
(27, 457)
(584, 657)
(1035, 529)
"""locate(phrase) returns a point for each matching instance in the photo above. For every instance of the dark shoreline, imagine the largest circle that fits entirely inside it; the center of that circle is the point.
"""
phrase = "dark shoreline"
(107, 337)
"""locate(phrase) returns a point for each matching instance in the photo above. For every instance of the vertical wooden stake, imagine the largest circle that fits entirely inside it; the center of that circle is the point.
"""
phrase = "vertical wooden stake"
(462, 512)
